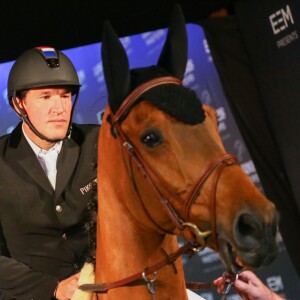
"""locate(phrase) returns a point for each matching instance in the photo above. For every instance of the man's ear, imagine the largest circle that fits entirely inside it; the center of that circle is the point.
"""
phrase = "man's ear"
(19, 106)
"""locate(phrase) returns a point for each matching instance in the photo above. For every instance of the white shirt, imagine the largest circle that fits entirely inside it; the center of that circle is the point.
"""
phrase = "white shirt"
(47, 158)
(193, 296)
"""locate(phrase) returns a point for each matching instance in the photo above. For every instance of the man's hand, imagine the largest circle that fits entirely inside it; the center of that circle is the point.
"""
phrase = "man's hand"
(249, 287)
(67, 287)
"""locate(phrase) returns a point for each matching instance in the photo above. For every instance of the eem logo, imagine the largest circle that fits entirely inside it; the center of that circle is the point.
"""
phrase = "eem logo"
(281, 19)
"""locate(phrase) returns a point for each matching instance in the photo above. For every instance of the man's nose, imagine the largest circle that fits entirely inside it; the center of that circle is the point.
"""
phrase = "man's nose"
(58, 106)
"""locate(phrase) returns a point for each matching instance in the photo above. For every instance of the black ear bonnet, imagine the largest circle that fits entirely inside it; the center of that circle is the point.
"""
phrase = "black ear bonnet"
(179, 102)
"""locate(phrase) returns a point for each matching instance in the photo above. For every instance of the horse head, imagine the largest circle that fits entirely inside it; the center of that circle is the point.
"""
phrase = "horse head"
(180, 180)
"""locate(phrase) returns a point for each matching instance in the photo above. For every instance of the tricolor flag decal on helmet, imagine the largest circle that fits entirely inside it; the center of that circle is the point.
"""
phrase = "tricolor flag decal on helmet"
(50, 56)
(48, 52)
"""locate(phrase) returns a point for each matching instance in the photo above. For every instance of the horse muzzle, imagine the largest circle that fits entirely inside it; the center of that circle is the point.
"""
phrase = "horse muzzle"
(252, 244)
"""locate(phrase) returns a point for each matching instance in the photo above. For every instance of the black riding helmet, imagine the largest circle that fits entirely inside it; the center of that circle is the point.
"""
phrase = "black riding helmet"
(41, 67)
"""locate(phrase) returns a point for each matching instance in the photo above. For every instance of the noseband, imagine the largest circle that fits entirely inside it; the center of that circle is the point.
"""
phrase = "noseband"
(198, 237)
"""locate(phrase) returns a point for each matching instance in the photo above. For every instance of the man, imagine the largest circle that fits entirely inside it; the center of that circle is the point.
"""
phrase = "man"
(48, 166)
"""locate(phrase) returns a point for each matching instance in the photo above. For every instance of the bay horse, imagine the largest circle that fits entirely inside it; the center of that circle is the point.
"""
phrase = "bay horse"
(163, 172)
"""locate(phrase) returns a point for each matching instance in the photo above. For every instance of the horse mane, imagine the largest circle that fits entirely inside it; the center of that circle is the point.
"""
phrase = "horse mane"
(90, 226)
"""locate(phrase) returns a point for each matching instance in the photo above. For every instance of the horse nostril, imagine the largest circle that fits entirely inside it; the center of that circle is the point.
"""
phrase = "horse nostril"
(248, 230)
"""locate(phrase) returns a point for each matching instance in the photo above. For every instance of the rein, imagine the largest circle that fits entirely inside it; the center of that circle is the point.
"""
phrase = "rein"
(139, 278)
(198, 239)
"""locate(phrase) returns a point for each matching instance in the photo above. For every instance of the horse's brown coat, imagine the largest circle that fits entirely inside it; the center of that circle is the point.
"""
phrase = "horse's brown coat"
(132, 225)
(127, 240)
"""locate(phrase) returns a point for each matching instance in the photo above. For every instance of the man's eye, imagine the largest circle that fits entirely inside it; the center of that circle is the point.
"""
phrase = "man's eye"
(151, 139)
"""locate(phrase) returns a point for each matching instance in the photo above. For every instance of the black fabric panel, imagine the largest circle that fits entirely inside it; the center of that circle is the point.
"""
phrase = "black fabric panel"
(272, 39)
(251, 114)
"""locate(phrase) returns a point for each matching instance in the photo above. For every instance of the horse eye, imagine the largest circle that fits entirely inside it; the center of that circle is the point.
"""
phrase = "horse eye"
(151, 139)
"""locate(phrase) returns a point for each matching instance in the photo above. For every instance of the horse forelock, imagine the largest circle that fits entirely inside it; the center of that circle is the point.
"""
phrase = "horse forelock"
(179, 102)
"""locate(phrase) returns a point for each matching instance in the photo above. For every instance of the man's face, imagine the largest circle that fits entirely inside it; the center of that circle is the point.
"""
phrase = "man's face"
(49, 110)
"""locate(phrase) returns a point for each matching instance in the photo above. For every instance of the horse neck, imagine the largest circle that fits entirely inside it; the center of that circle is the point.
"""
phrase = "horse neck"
(125, 246)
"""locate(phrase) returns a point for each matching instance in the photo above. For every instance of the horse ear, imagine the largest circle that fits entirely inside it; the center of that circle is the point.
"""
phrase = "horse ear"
(173, 57)
(115, 67)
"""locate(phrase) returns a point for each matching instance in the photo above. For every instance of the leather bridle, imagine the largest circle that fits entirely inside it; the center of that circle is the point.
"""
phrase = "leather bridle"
(198, 239)
(216, 165)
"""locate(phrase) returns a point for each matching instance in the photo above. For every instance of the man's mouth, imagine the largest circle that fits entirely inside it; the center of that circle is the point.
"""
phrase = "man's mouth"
(58, 121)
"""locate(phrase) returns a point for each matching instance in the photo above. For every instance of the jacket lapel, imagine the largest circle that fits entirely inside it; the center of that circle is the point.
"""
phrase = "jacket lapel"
(21, 153)
(66, 164)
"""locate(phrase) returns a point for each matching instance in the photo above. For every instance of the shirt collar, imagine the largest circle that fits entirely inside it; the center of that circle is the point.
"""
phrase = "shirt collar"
(38, 149)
